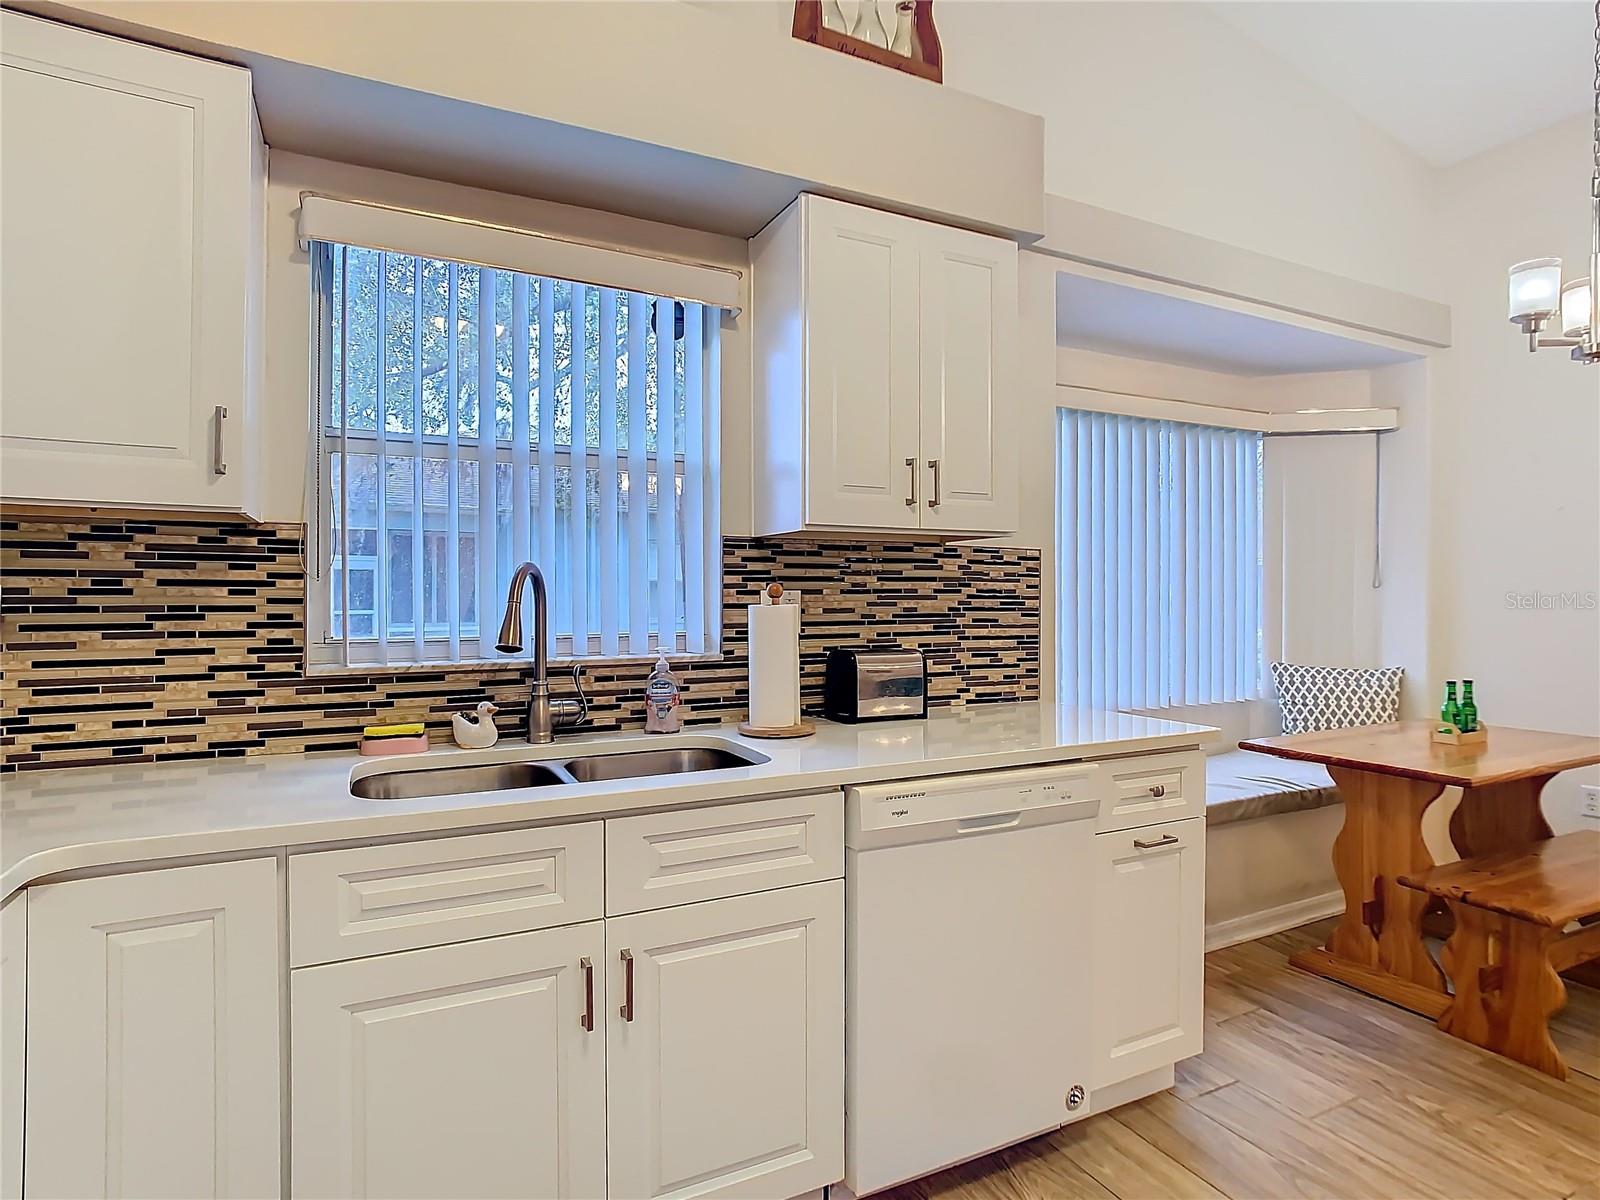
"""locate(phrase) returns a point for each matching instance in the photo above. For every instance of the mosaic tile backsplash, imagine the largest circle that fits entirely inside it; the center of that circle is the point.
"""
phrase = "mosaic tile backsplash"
(137, 641)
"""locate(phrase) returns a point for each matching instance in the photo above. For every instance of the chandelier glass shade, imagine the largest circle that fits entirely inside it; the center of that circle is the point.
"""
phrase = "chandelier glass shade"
(1537, 295)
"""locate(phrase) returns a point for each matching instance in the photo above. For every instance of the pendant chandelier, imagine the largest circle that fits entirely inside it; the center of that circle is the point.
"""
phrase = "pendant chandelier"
(1537, 294)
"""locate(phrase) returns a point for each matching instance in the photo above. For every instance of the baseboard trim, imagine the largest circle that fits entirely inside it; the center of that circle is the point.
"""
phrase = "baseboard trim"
(1272, 920)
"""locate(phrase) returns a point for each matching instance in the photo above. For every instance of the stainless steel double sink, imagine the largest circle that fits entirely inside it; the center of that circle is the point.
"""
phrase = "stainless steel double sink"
(406, 784)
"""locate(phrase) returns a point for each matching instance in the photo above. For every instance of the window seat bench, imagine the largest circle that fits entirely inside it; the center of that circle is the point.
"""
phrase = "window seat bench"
(1242, 785)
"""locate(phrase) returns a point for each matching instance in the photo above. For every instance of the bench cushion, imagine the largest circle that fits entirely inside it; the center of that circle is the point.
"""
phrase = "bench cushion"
(1242, 785)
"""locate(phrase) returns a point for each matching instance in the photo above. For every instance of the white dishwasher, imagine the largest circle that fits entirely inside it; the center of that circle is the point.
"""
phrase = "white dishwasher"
(967, 1001)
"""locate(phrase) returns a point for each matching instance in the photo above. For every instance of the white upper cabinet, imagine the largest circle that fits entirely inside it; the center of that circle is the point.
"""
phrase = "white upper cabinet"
(969, 365)
(152, 1039)
(885, 395)
(862, 413)
(133, 207)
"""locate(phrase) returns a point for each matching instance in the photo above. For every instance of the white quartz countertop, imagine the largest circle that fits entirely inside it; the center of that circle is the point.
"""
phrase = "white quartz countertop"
(66, 820)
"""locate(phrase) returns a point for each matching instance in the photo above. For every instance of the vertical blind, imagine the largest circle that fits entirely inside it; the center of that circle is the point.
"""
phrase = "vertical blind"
(1159, 562)
(471, 419)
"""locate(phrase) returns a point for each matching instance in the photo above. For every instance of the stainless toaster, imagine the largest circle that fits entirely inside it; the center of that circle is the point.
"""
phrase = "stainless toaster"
(875, 685)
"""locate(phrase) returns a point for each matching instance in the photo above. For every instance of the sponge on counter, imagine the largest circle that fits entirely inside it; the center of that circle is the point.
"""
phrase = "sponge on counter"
(378, 732)
(410, 737)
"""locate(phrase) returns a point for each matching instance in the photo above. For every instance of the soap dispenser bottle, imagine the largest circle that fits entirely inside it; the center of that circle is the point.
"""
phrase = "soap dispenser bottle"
(663, 700)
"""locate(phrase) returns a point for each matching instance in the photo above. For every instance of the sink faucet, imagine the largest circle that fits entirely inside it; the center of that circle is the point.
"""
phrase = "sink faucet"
(545, 715)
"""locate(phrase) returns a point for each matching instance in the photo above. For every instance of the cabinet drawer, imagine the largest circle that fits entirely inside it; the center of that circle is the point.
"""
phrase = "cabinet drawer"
(1158, 787)
(661, 859)
(375, 899)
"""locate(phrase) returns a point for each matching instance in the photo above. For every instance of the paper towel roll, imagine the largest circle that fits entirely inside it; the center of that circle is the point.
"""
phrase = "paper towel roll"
(774, 665)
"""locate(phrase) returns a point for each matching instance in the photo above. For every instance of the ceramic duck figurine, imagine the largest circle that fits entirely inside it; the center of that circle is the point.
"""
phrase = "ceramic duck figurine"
(475, 730)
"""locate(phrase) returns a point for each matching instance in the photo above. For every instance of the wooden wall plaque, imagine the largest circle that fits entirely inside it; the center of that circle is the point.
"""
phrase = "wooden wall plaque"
(928, 62)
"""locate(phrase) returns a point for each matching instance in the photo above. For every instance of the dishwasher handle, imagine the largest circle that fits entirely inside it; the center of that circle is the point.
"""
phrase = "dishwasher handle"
(991, 821)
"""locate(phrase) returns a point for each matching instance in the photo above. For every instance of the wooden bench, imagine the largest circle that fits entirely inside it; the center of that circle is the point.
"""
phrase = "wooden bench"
(1512, 910)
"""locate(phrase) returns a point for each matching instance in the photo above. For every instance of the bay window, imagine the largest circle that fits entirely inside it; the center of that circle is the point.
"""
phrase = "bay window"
(1159, 562)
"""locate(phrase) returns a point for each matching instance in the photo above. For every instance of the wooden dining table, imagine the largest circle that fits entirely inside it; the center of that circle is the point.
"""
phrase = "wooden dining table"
(1388, 776)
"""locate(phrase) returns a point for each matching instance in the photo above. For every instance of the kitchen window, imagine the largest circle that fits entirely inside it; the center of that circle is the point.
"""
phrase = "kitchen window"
(1159, 563)
(470, 418)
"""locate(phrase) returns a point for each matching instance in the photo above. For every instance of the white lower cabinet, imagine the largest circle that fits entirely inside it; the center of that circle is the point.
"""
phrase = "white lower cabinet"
(152, 1034)
(475, 1069)
(725, 1054)
(1149, 936)
(689, 1051)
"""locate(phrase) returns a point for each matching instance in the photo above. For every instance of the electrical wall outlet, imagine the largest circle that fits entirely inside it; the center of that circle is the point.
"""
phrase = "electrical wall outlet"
(1589, 802)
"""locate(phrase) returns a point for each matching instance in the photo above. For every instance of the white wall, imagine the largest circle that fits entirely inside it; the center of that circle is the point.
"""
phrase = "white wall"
(1407, 634)
(1516, 452)
(1165, 112)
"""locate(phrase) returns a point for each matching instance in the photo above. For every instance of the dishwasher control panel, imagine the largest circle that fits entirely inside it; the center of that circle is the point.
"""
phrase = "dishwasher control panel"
(982, 800)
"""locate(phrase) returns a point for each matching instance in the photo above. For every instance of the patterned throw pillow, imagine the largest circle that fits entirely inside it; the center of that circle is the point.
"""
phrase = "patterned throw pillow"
(1316, 698)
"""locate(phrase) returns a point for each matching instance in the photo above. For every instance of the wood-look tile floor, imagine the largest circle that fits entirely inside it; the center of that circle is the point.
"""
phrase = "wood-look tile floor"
(1308, 1089)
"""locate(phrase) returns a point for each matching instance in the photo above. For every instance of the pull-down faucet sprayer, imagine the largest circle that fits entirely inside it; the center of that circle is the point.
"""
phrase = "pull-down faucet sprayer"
(545, 715)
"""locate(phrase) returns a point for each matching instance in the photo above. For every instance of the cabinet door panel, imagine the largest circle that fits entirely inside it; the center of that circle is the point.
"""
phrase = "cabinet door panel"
(861, 367)
(657, 860)
(126, 235)
(968, 378)
(459, 1070)
(1149, 906)
(376, 899)
(729, 1078)
(153, 1034)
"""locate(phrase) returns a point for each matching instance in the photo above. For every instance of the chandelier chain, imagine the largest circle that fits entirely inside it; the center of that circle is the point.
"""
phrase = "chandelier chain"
(1595, 182)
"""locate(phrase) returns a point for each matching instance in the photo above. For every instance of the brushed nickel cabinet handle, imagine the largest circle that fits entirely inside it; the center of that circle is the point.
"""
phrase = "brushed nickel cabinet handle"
(219, 464)
(627, 985)
(1168, 840)
(587, 1020)
(933, 465)
(1158, 790)
(911, 500)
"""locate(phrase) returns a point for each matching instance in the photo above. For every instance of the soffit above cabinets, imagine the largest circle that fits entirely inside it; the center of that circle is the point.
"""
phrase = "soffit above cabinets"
(659, 110)
(1148, 257)
(1116, 318)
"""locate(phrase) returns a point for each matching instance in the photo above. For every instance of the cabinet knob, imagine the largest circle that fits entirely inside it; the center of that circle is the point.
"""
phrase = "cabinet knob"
(1158, 790)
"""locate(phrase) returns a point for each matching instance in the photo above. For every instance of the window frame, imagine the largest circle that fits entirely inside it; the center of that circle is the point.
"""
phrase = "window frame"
(324, 646)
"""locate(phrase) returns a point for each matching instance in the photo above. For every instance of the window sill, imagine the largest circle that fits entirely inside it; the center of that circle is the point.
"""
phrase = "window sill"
(486, 666)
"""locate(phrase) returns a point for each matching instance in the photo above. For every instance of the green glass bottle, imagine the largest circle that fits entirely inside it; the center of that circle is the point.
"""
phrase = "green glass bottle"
(1469, 708)
(1450, 711)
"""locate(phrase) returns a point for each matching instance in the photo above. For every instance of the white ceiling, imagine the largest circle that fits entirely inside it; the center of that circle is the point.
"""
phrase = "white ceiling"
(1448, 78)
(1113, 318)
